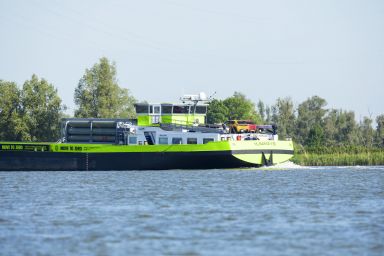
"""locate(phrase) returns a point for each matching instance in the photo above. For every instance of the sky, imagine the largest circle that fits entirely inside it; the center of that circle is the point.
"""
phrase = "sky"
(166, 48)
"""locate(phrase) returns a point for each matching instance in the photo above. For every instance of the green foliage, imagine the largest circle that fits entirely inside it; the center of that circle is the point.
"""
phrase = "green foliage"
(12, 127)
(346, 127)
(236, 107)
(98, 95)
(217, 112)
(366, 133)
(42, 109)
(341, 128)
(331, 128)
(338, 155)
(261, 110)
(284, 117)
(379, 136)
(268, 115)
(315, 136)
(30, 114)
(340, 159)
(310, 113)
(241, 108)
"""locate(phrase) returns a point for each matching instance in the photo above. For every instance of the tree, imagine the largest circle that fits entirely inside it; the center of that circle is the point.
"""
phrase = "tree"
(98, 95)
(330, 127)
(262, 110)
(310, 113)
(239, 107)
(346, 124)
(42, 110)
(340, 128)
(268, 116)
(284, 117)
(315, 137)
(380, 130)
(12, 127)
(366, 132)
(217, 112)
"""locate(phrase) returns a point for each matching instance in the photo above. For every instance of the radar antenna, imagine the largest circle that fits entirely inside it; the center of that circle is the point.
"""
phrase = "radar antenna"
(201, 97)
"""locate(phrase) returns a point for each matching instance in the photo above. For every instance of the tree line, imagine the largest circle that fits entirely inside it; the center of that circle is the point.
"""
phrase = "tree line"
(33, 111)
(310, 124)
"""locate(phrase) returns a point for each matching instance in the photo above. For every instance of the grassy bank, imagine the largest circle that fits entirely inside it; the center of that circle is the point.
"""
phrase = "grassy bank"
(337, 156)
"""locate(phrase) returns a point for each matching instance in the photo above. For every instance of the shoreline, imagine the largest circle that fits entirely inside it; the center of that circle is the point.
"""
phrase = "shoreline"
(339, 159)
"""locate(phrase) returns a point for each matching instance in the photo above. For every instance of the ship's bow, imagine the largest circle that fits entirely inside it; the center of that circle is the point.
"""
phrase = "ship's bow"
(259, 152)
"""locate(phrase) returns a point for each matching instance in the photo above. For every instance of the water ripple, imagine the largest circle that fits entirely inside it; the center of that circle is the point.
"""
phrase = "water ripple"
(279, 211)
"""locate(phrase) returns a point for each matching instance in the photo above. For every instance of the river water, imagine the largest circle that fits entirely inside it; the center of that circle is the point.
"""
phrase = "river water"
(275, 211)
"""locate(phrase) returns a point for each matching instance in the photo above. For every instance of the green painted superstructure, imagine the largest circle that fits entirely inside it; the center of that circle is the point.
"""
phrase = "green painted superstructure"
(181, 119)
(167, 113)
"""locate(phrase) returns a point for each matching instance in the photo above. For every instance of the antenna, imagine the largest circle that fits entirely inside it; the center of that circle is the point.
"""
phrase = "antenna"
(211, 97)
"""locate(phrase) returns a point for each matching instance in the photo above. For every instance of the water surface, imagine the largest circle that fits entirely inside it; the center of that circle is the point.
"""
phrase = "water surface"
(294, 211)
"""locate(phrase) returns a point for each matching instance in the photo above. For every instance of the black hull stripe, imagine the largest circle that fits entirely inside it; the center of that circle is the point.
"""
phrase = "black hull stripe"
(46, 161)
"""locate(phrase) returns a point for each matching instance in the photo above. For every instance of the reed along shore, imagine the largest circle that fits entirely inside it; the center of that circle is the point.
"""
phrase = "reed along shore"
(338, 156)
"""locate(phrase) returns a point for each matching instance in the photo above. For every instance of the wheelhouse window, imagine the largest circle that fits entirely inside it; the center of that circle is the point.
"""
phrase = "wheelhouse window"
(141, 108)
(166, 109)
(191, 140)
(163, 140)
(180, 109)
(156, 109)
(201, 110)
(177, 141)
(206, 140)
